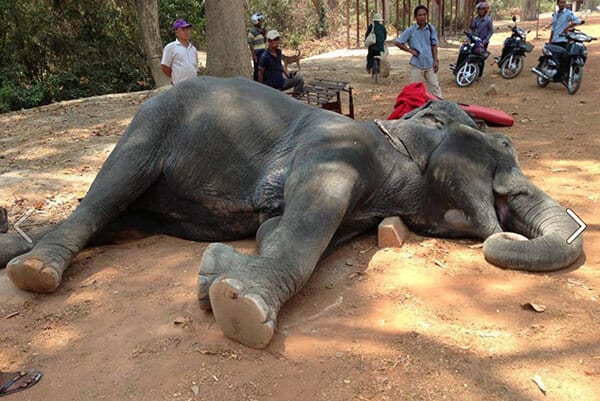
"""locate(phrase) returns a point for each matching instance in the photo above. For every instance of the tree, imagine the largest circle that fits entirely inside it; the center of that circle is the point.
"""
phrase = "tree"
(147, 13)
(588, 5)
(226, 47)
(528, 10)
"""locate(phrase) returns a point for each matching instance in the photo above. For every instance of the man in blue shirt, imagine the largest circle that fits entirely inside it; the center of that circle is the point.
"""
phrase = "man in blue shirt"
(421, 40)
(562, 20)
(271, 70)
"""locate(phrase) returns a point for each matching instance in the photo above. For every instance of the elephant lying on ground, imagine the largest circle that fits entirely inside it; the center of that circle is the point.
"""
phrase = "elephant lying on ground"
(223, 159)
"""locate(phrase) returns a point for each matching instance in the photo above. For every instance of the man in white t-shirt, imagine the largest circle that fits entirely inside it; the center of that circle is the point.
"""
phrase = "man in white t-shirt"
(180, 57)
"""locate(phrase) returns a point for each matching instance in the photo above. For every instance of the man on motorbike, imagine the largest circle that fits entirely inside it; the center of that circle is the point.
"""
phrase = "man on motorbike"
(482, 26)
(562, 20)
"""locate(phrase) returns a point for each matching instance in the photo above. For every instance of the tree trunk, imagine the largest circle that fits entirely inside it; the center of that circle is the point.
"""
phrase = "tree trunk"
(226, 46)
(147, 14)
(588, 5)
(528, 10)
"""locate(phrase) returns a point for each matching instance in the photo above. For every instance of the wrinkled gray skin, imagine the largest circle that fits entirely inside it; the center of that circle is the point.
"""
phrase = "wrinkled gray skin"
(223, 159)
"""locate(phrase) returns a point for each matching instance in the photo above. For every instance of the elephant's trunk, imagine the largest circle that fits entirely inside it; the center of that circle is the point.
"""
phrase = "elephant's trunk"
(546, 224)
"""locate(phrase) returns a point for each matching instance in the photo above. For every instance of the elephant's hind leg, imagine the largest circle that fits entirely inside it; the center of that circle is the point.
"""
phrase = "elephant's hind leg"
(243, 317)
(39, 274)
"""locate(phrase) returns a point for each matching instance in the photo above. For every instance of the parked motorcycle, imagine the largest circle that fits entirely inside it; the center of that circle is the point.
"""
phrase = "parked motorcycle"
(512, 60)
(469, 64)
(564, 65)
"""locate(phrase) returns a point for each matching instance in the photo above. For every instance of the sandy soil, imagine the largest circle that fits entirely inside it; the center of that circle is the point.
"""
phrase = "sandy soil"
(429, 321)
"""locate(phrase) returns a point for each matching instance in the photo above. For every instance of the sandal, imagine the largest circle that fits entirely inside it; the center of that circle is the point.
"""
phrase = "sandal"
(20, 381)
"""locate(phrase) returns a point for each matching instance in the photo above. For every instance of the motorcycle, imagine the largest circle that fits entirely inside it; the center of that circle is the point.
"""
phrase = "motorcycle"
(564, 65)
(469, 64)
(512, 60)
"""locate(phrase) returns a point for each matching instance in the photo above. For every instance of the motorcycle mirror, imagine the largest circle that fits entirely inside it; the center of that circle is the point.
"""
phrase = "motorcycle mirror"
(514, 18)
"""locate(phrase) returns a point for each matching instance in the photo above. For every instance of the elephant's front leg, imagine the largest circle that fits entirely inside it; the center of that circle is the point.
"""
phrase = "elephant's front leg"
(247, 291)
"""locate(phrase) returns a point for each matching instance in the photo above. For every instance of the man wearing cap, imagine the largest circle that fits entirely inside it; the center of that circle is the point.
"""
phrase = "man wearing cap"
(180, 57)
(483, 26)
(256, 40)
(271, 70)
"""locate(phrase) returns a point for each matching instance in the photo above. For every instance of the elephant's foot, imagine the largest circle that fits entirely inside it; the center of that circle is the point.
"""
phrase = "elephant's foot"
(242, 316)
(36, 274)
(216, 261)
(242, 292)
(265, 230)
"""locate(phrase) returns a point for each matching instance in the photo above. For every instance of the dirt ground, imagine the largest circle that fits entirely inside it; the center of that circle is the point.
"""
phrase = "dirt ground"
(429, 321)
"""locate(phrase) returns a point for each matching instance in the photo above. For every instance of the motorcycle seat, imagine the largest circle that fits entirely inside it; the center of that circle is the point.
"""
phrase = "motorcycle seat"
(555, 49)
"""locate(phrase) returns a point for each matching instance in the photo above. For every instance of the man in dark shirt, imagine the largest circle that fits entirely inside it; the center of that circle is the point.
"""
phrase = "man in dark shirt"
(271, 70)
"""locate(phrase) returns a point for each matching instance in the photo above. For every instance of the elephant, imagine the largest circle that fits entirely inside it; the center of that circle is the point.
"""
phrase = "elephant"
(220, 159)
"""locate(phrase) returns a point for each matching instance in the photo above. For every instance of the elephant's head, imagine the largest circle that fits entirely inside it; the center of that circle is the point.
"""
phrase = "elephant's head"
(473, 187)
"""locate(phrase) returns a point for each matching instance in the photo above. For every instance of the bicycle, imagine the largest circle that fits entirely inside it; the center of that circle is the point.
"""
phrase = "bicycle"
(375, 70)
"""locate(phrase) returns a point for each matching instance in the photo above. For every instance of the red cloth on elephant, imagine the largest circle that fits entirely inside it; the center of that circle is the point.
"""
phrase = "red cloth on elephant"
(412, 96)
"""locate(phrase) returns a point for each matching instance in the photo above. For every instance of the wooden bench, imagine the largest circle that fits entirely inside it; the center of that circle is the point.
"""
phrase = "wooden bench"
(327, 94)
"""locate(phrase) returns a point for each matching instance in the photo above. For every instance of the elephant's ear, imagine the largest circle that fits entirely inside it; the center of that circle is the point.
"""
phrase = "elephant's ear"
(416, 138)
(450, 111)
(422, 130)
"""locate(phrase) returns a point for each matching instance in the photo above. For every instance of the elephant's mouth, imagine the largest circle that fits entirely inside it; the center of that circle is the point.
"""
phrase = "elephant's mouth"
(511, 221)
(501, 207)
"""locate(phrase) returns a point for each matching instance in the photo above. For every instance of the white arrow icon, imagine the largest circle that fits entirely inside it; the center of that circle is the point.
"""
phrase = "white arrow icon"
(582, 226)
(19, 230)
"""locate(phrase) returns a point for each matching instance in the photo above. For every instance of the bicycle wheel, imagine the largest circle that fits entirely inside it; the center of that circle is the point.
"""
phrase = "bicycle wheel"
(375, 70)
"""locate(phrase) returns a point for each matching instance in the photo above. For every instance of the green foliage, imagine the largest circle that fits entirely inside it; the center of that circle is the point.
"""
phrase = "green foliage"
(54, 50)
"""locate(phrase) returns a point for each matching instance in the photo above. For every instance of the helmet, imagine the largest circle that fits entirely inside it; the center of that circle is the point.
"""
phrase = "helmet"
(482, 4)
(256, 18)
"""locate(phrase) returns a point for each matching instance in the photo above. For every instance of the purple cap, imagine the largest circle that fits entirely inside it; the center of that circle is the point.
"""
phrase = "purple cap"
(181, 23)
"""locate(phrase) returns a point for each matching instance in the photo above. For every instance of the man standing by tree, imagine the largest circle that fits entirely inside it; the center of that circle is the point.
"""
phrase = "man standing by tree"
(180, 57)
(256, 40)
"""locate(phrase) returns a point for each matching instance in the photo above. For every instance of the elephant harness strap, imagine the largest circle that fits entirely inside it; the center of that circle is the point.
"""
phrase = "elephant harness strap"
(394, 141)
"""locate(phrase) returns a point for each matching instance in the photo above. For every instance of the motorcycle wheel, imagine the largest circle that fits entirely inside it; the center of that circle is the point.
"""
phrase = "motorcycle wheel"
(467, 74)
(575, 78)
(541, 82)
(511, 67)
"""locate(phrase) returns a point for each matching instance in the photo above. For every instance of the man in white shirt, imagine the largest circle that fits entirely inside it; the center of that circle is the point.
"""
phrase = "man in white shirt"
(180, 57)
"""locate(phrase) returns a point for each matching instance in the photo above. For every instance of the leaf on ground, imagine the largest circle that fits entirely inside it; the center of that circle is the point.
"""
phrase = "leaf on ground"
(536, 307)
(488, 334)
(538, 381)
